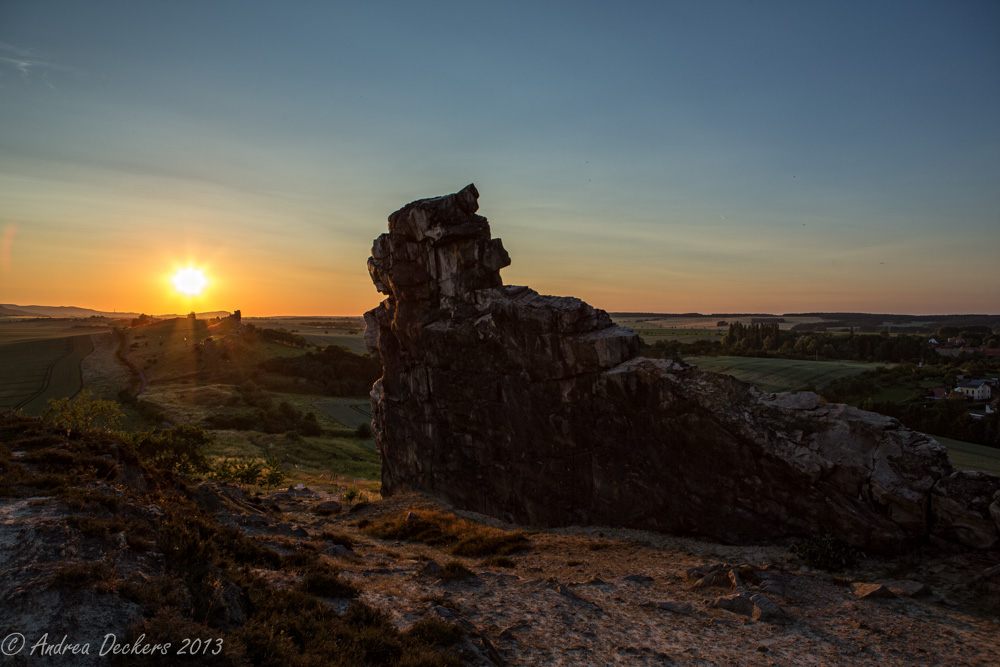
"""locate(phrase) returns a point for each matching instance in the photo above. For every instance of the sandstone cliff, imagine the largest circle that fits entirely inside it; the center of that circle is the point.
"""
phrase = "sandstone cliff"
(538, 409)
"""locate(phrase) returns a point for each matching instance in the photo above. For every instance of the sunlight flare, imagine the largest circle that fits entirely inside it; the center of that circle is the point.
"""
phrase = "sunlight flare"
(189, 281)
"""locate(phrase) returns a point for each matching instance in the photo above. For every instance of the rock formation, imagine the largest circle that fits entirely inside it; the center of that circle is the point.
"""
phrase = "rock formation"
(538, 409)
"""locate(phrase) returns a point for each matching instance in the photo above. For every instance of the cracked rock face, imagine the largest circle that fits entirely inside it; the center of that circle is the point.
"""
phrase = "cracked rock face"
(538, 409)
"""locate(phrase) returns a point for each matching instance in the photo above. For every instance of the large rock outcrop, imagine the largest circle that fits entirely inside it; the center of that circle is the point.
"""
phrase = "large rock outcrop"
(539, 410)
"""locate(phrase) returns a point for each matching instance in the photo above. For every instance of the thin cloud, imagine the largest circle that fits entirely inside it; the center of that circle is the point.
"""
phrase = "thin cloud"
(28, 64)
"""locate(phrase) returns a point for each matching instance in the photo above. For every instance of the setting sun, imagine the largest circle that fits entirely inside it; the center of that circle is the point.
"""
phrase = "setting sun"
(189, 281)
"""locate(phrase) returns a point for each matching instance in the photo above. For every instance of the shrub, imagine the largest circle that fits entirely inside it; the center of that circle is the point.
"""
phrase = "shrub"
(81, 575)
(455, 571)
(180, 449)
(252, 472)
(826, 552)
(75, 463)
(337, 538)
(435, 632)
(328, 585)
(83, 413)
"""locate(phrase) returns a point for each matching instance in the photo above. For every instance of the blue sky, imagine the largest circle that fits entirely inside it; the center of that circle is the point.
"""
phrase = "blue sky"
(667, 156)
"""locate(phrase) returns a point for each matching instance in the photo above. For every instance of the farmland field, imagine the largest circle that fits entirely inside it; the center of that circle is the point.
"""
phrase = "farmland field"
(691, 329)
(33, 371)
(781, 374)
(15, 330)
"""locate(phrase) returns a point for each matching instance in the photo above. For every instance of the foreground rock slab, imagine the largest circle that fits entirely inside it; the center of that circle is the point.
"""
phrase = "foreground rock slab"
(538, 410)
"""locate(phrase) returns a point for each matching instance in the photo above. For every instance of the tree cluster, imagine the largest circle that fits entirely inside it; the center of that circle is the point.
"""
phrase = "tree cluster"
(949, 418)
(265, 416)
(336, 371)
(278, 336)
(768, 340)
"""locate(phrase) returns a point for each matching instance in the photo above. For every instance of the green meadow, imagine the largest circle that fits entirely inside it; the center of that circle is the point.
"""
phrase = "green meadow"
(782, 374)
(969, 456)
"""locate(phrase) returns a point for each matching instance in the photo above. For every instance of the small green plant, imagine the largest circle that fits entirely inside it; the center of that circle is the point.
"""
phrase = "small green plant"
(825, 552)
(180, 449)
(364, 431)
(250, 472)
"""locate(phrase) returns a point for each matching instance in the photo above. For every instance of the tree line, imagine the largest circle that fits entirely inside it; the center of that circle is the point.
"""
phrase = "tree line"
(767, 339)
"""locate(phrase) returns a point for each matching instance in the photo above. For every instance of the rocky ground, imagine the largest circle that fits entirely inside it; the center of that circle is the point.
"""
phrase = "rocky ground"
(573, 596)
(600, 596)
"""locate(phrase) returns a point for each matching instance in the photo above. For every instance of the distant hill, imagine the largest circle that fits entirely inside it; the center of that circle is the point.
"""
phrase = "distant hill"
(10, 310)
(201, 316)
(846, 319)
(63, 311)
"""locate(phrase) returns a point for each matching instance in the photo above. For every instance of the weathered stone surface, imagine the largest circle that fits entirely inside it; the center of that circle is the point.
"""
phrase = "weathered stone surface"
(684, 609)
(907, 588)
(961, 509)
(327, 508)
(867, 591)
(537, 409)
(740, 603)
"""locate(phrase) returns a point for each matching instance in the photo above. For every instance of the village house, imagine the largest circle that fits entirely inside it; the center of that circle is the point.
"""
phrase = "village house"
(937, 393)
(977, 390)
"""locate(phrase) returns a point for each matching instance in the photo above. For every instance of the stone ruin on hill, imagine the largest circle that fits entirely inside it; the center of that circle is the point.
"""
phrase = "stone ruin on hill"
(538, 410)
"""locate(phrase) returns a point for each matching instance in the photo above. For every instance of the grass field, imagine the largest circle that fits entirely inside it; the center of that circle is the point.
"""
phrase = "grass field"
(969, 456)
(703, 323)
(353, 342)
(351, 412)
(650, 336)
(691, 329)
(343, 331)
(196, 371)
(185, 350)
(33, 371)
(319, 461)
(781, 374)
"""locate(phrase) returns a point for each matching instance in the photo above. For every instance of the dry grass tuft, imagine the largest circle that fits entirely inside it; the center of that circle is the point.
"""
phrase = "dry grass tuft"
(455, 571)
(437, 528)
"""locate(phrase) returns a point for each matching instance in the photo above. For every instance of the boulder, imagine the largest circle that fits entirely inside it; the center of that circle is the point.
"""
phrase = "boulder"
(963, 509)
(538, 410)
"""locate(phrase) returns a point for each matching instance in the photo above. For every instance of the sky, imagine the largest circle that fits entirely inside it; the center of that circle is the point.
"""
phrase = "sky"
(714, 157)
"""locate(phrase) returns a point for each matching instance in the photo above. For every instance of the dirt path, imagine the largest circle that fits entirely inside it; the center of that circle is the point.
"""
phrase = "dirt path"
(122, 353)
(104, 374)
